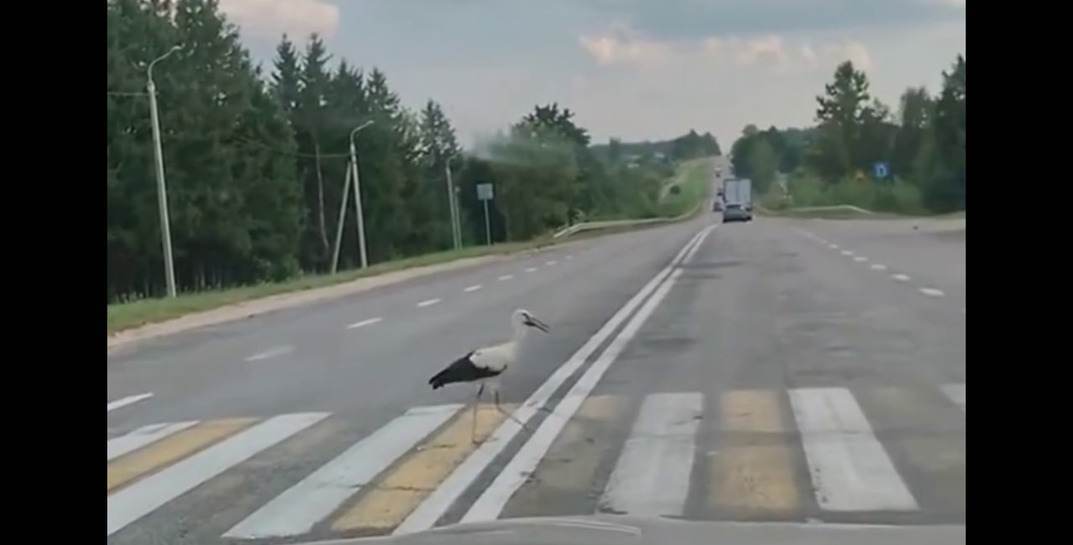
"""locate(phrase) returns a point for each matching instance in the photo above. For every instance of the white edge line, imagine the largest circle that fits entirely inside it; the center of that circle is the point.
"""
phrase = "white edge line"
(428, 302)
(119, 403)
(440, 500)
(490, 503)
(364, 323)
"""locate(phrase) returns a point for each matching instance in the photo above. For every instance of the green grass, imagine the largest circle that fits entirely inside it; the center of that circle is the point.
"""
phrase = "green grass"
(693, 179)
(128, 315)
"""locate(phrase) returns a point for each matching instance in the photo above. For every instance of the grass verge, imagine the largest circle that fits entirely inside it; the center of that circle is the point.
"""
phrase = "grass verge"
(694, 182)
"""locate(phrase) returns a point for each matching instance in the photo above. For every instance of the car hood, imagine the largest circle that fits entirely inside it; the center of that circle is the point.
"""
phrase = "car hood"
(619, 530)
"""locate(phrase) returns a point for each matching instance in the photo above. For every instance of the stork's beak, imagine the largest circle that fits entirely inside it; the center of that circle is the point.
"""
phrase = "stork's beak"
(532, 321)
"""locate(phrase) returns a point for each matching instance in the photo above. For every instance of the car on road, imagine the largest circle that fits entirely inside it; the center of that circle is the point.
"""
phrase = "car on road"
(736, 212)
(717, 204)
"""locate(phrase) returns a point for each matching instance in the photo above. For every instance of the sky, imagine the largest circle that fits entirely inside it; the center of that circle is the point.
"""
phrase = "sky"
(632, 69)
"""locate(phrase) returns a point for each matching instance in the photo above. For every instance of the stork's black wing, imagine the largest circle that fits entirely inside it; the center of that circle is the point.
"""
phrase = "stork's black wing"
(461, 370)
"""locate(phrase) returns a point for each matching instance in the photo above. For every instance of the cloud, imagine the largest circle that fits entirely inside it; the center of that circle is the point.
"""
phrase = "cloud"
(696, 18)
(271, 18)
(621, 45)
(763, 49)
(852, 51)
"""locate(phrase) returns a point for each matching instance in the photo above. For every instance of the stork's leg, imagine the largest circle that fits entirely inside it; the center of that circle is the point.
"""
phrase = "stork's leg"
(475, 404)
(505, 413)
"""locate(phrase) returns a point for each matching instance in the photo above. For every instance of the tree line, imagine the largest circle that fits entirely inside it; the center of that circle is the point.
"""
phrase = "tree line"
(255, 162)
(923, 145)
(688, 146)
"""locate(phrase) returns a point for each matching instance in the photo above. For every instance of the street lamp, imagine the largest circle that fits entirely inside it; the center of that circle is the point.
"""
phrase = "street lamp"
(357, 193)
(161, 188)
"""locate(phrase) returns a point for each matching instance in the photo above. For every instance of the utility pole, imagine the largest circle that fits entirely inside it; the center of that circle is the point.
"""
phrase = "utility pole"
(161, 186)
(357, 194)
(456, 232)
(342, 220)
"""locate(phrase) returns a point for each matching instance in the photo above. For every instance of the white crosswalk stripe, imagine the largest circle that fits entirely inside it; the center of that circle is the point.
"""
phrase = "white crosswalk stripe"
(145, 496)
(144, 436)
(850, 470)
(652, 474)
(296, 511)
(956, 393)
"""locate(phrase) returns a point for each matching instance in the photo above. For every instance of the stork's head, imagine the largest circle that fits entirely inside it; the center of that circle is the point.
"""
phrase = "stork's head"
(524, 318)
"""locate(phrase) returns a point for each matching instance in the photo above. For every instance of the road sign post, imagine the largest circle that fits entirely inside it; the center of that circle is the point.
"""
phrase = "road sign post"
(485, 193)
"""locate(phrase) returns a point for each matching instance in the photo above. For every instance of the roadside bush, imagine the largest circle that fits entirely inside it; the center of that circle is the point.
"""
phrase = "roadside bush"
(898, 196)
(775, 199)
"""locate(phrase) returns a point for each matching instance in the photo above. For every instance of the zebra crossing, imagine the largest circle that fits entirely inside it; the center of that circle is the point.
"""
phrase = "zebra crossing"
(759, 454)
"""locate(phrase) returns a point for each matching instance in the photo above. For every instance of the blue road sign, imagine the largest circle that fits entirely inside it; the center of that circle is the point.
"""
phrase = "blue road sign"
(881, 170)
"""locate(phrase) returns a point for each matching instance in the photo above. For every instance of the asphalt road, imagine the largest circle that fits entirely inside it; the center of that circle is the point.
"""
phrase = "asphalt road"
(752, 372)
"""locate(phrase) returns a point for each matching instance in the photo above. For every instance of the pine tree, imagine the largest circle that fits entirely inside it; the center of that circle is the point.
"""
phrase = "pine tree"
(312, 120)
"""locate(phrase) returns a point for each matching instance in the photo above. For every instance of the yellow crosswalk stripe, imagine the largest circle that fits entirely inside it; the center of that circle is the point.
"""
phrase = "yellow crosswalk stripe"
(170, 449)
(416, 476)
(752, 474)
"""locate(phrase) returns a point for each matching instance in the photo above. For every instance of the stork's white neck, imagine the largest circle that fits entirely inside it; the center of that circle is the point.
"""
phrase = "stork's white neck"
(520, 330)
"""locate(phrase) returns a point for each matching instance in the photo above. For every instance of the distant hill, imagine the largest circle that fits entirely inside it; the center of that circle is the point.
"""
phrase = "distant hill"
(687, 146)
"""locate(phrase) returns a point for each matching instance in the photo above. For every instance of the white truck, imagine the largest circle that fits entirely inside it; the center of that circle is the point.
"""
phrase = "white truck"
(738, 196)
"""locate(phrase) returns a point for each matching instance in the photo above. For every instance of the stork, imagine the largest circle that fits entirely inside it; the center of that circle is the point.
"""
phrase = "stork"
(485, 365)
